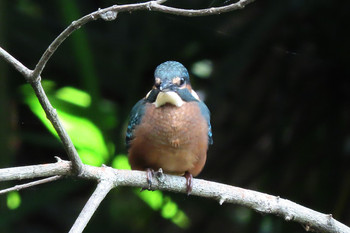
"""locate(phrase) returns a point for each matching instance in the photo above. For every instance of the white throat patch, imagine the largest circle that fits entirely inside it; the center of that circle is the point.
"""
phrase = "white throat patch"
(168, 97)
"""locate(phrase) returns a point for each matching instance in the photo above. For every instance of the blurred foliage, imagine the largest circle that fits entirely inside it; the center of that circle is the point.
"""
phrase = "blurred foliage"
(85, 135)
(13, 200)
(89, 142)
(275, 76)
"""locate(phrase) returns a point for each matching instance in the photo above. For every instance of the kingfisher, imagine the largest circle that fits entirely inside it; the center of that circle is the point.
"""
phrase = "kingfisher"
(170, 128)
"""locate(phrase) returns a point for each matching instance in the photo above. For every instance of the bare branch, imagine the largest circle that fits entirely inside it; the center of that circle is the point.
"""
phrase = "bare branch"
(109, 177)
(34, 76)
(89, 209)
(150, 6)
(260, 202)
(17, 64)
(30, 184)
(51, 114)
(203, 12)
(49, 110)
(60, 168)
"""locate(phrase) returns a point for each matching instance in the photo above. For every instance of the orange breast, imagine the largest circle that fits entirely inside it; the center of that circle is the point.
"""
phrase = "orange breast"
(172, 138)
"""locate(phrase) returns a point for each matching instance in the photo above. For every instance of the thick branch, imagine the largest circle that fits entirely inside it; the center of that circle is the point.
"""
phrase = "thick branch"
(61, 168)
(260, 202)
(89, 209)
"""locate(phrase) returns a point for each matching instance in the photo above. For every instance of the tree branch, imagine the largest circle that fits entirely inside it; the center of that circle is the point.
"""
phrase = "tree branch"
(60, 168)
(51, 114)
(15, 63)
(109, 177)
(30, 184)
(150, 6)
(260, 202)
(89, 209)
(33, 76)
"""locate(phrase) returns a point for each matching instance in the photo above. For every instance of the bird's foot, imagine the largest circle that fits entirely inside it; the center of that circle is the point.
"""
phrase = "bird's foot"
(160, 175)
(150, 174)
(189, 183)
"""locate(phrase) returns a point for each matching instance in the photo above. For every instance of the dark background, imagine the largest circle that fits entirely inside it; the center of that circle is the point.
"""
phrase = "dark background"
(278, 93)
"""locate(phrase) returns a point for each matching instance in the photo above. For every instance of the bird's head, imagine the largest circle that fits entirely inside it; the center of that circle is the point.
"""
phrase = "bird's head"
(172, 85)
(171, 76)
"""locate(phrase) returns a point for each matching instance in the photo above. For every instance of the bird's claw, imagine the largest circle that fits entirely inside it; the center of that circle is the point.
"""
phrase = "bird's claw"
(189, 183)
(160, 175)
(150, 174)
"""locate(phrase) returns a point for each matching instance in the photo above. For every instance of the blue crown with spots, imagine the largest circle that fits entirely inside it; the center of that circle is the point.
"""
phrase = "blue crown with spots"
(171, 69)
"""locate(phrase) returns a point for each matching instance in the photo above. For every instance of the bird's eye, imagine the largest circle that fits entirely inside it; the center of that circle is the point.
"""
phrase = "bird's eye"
(182, 81)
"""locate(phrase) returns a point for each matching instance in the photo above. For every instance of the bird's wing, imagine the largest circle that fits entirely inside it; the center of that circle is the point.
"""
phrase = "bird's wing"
(206, 113)
(135, 119)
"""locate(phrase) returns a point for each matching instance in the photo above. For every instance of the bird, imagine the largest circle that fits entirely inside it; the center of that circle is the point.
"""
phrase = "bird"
(169, 129)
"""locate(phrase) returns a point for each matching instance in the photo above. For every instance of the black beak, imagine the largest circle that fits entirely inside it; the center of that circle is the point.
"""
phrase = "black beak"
(166, 86)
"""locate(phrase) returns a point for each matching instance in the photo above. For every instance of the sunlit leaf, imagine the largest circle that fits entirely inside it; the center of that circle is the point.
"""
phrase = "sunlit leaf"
(85, 135)
(90, 143)
(13, 200)
(71, 95)
(181, 219)
(153, 198)
(121, 162)
(169, 209)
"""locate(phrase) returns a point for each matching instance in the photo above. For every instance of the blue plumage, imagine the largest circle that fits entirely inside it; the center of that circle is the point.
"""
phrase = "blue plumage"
(206, 113)
(170, 69)
(135, 119)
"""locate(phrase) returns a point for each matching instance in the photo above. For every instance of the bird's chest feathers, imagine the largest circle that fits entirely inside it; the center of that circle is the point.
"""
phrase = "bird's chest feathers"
(173, 126)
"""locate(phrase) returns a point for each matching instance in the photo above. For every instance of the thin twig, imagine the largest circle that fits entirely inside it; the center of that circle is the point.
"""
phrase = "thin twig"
(17, 64)
(222, 193)
(150, 6)
(90, 207)
(202, 12)
(30, 184)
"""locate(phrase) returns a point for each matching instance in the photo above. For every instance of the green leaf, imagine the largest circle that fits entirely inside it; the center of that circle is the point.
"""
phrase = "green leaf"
(85, 135)
(121, 162)
(13, 200)
(156, 199)
(89, 141)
